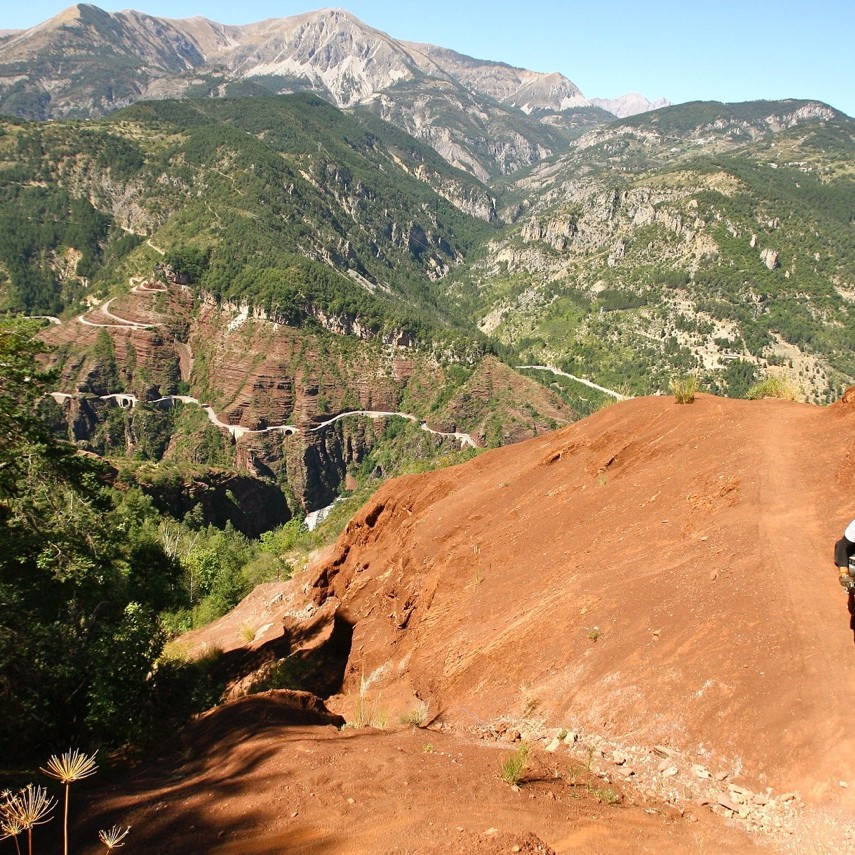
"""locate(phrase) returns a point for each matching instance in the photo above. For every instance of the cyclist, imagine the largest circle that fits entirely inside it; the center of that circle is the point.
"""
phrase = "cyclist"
(844, 552)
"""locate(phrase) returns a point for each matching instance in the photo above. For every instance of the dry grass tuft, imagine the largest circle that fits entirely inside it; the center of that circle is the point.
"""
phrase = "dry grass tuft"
(684, 388)
(774, 387)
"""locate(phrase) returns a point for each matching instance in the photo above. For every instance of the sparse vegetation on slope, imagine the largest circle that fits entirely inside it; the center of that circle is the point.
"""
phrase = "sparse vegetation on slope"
(632, 259)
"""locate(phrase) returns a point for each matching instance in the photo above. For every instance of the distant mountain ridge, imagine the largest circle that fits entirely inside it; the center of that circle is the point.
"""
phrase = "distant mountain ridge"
(630, 104)
(483, 116)
(329, 50)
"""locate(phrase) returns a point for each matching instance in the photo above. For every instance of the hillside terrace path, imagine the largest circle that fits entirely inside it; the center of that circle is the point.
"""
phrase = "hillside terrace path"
(581, 380)
(794, 537)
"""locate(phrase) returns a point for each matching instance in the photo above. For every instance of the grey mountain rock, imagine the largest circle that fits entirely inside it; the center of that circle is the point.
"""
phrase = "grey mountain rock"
(486, 117)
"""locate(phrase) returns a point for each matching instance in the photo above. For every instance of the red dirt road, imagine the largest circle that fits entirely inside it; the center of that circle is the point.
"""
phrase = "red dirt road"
(311, 790)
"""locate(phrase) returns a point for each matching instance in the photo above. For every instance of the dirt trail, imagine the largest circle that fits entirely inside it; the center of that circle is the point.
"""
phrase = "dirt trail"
(302, 790)
(794, 532)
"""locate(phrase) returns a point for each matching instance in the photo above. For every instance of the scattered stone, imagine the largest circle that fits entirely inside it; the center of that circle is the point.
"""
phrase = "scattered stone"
(744, 812)
(843, 784)
(721, 776)
(727, 804)
(571, 737)
(713, 575)
(761, 799)
(670, 772)
(663, 765)
(554, 745)
(700, 771)
(351, 801)
(512, 735)
(618, 759)
(662, 751)
(786, 797)
(770, 258)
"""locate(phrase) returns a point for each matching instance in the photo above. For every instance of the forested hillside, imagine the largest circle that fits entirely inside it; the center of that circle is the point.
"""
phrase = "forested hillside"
(714, 239)
(277, 261)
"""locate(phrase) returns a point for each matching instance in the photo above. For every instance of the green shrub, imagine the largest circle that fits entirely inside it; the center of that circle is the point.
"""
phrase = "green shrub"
(514, 768)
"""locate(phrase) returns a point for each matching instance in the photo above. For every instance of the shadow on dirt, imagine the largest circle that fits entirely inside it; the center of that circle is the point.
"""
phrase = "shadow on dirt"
(177, 821)
(308, 656)
(208, 761)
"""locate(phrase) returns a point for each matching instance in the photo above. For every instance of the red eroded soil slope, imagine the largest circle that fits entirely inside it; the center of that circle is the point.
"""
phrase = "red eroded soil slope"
(659, 573)
(657, 579)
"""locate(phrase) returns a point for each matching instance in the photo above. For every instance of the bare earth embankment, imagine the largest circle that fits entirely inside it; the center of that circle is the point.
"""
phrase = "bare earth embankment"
(656, 580)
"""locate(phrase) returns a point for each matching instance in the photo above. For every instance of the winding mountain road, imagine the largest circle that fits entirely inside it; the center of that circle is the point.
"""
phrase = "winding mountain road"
(120, 323)
(237, 431)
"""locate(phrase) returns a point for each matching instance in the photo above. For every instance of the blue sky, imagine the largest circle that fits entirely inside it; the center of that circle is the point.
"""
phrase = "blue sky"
(686, 50)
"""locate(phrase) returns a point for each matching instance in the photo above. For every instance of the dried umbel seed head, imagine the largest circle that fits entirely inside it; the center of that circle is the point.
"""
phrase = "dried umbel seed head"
(72, 766)
(30, 806)
(113, 838)
(10, 826)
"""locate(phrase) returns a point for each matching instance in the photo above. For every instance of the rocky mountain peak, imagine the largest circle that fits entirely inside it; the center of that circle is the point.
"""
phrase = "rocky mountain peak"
(86, 62)
(548, 92)
(330, 50)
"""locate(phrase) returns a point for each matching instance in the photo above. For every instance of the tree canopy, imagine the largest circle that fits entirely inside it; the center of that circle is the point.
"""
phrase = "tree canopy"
(66, 579)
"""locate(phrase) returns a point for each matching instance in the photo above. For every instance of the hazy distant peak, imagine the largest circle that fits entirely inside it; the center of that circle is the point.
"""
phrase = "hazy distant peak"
(630, 104)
